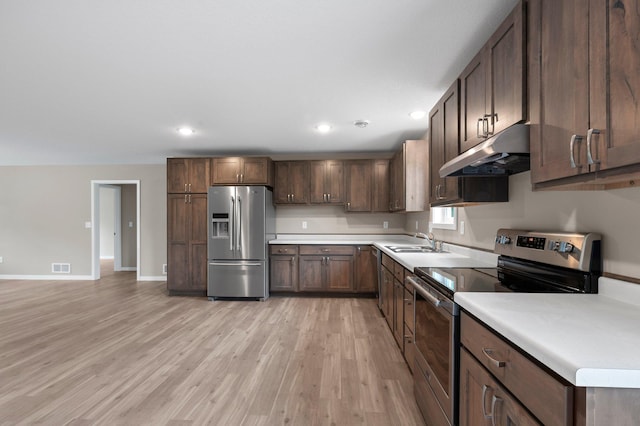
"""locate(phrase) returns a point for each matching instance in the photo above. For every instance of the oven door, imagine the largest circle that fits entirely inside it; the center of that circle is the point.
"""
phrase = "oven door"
(436, 333)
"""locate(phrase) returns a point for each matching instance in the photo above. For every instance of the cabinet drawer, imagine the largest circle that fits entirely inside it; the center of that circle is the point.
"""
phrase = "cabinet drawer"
(327, 250)
(398, 272)
(283, 249)
(548, 398)
(388, 262)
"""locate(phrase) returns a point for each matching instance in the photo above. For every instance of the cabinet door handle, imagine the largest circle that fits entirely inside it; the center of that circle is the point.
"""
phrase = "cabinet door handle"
(494, 401)
(293, 197)
(185, 187)
(488, 352)
(574, 139)
(288, 197)
(293, 260)
(185, 198)
(590, 133)
(486, 119)
(484, 404)
(189, 198)
(329, 197)
(478, 128)
(241, 177)
(189, 187)
(238, 177)
(348, 206)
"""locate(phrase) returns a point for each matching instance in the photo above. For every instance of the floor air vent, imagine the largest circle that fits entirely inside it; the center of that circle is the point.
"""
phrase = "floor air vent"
(61, 268)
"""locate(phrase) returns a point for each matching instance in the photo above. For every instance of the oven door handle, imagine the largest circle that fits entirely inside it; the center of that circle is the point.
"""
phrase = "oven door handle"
(424, 293)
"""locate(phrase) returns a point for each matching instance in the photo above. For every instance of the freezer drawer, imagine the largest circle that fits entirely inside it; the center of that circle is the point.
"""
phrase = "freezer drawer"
(237, 279)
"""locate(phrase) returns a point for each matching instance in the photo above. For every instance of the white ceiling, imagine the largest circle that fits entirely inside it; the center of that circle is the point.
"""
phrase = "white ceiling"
(104, 82)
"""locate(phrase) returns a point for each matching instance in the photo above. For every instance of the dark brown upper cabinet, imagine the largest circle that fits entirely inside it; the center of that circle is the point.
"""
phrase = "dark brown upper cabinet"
(242, 171)
(493, 85)
(291, 182)
(444, 136)
(359, 185)
(408, 177)
(187, 175)
(327, 182)
(584, 85)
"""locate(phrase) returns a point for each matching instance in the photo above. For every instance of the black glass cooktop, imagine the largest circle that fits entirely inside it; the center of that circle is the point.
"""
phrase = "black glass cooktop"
(509, 276)
(450, 280)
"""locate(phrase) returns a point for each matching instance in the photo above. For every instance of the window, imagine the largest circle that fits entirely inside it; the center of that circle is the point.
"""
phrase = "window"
(444, 217)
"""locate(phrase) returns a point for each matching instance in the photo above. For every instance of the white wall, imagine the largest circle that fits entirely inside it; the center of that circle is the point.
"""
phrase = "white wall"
(43, 211)
(614, 214)
(107, 222)
(334, 220)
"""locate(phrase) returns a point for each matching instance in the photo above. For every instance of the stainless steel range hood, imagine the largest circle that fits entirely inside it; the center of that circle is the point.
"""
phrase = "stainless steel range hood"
(504, 154)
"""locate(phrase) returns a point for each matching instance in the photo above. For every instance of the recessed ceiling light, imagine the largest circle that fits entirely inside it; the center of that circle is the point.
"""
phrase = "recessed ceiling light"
(417, 115)
(323, 128)
(361, 123)
(186, 131)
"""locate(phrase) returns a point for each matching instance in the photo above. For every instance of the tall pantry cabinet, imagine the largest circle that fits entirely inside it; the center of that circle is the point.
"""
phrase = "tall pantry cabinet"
(187, 182)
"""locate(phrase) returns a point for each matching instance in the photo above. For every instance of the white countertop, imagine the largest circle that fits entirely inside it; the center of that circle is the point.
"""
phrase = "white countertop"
(452, 257)
(591, 340)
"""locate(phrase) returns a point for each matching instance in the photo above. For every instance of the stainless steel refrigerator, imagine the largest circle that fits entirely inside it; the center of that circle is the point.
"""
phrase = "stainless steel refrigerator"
(241, 222)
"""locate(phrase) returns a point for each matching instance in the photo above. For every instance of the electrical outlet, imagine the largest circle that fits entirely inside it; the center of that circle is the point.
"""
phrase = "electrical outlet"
(462, 227)
(416, 225)
(87, 225)
(385, 224)
(304, 224)
(1, 259)
(130, 224)
(164, 269)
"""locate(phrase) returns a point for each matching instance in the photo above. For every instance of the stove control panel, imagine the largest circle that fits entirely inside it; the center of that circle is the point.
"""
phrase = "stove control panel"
(569, 250)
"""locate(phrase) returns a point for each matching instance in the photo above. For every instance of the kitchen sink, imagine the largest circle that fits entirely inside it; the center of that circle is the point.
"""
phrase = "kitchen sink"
(410, 249)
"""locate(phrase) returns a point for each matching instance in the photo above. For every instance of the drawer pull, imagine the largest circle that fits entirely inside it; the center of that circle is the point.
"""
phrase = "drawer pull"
(494, 362)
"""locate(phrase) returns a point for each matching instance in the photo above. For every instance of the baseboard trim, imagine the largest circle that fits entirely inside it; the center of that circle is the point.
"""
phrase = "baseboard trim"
(127, 269)
(62, 277)
(152, 278)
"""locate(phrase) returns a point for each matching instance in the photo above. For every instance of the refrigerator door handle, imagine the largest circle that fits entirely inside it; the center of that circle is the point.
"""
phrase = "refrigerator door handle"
(239, 236)
(232, 218)
(235, 263)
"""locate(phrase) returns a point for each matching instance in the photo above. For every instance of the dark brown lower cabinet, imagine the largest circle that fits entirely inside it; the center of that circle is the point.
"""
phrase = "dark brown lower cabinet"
(483, 401)
(366, 275)
(283, 272)
(326, 273)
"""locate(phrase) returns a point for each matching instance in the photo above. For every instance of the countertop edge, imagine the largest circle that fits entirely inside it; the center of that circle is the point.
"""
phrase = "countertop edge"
(602, 367)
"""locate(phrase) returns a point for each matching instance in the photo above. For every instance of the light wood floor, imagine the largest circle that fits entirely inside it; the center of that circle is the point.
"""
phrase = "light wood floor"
(117, 351)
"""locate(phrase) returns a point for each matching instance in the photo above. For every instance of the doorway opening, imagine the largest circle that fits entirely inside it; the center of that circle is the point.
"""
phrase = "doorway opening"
(115, 219)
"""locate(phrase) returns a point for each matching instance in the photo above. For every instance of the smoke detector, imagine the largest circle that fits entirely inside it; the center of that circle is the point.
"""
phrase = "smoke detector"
(361, 123)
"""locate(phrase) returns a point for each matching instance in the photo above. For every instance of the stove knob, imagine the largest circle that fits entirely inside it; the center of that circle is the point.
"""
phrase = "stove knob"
(565, 247)
(554, 245)
(503, 240)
